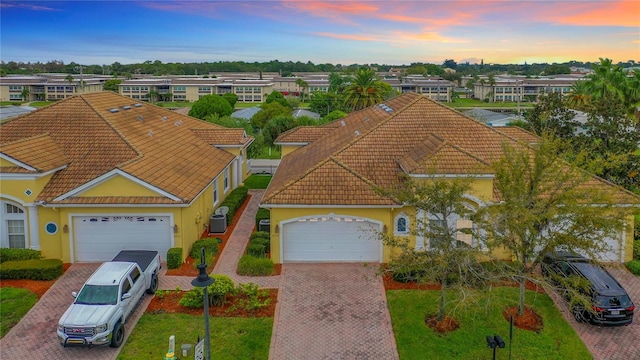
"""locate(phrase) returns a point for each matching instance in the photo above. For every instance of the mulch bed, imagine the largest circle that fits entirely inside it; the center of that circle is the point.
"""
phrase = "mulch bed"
(39, 287)
(168, 303)
(529, 320)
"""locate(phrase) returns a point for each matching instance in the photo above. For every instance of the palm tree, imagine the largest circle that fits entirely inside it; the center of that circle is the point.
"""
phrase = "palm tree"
(579, 96)
(25, 94)
(365, 90)
(153, 96)
(303, 85)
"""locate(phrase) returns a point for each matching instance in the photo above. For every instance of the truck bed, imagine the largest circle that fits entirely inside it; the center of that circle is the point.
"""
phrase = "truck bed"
(142, 257)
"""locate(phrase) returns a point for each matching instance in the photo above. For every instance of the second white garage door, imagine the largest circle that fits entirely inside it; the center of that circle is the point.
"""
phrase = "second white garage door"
(100, 238)
(331, 239)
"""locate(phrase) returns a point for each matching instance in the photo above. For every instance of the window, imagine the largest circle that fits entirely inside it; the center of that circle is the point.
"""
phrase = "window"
(179, 89)
(401, 225)
(436, 228)
(215, 192)
(135, 274)
(13, 224)
(226, 179)
(126, 286)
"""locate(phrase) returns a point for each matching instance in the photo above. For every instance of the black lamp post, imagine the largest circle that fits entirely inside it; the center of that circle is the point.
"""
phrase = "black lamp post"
(203, 280)
(494, 342)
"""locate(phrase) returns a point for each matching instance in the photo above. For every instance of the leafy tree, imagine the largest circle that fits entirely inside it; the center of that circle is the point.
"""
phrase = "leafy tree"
(550, 115)
(210, 104)
(450, 63)
(334, 115)
(546, 204)
(365, 90)
(268, 112)
(337, 83)
(277, 96)
(324, 103)
(153, 96)
(276, 126)
(231, 98)
(557, 69)
(111, 85)
(447, 261)
(25, 94)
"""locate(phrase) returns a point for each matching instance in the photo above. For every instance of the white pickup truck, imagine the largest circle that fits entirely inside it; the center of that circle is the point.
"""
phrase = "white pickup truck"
(108, 297)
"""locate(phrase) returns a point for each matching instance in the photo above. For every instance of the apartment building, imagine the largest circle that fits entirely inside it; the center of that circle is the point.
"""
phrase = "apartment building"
(49, 87)
(521, 88)
(435, 87)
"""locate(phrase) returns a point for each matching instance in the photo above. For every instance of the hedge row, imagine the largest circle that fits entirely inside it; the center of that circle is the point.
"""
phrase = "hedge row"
(10, 254)
(253, 266)
(234, 200)
(40, 269)
(210, 246)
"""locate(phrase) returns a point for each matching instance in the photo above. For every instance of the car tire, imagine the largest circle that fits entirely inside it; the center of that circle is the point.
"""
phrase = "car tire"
(153, 287)
(117, 336)
(578, 314)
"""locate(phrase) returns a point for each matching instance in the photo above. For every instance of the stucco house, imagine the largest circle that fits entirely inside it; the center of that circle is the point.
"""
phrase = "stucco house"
(322, 200)
(93, 174)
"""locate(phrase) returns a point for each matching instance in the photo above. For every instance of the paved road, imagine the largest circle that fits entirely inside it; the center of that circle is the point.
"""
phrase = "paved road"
(611, 343)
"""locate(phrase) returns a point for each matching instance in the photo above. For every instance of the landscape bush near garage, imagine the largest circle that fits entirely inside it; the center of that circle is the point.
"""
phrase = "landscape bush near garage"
(28, 264)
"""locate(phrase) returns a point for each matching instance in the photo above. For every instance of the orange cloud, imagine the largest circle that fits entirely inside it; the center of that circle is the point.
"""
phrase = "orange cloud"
(323, 8)
(346, 36)
(602, 13)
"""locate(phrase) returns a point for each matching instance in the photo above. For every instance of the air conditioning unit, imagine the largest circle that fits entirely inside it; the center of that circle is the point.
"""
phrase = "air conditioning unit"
(264, 225)
(218, 223)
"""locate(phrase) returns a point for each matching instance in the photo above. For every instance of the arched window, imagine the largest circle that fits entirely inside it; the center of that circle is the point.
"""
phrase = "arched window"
(14, 221)
(401, 225)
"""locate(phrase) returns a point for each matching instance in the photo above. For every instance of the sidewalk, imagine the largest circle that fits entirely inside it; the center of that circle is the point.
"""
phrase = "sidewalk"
(231, 253)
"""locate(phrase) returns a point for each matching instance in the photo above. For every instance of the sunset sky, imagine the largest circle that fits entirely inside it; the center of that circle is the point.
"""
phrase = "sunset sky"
(337, 32)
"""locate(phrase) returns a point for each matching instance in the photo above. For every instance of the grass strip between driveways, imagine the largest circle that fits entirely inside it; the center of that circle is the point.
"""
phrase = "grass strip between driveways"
(480, 315)
(231, 338)
(257, 181)
(14, 304)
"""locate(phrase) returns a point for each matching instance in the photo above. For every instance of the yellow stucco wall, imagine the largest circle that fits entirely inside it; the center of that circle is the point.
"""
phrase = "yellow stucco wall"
(287, 149)
(118, 186)
(17, 189)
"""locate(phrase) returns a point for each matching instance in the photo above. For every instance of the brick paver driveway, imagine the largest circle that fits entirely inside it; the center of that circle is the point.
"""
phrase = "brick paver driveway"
(332, 311)
(611, 343)
(34, 337)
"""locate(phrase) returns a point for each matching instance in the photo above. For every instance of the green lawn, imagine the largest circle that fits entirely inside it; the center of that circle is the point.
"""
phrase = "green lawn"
(14, 304)
(231, 338)
(257, 181)
(479, 316)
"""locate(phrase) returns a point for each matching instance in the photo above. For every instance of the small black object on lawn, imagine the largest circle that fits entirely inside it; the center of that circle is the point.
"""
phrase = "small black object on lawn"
(495, 342)
(203, 280)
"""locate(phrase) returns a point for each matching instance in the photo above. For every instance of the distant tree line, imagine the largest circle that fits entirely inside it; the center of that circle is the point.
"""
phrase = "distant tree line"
(286, 68)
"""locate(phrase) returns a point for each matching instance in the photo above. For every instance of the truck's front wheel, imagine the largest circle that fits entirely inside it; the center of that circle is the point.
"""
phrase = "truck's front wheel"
(117, 336)
(154, 284)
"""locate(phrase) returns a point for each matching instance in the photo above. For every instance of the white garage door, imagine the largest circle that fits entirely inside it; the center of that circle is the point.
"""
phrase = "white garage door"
(613, 252)
(100, 238)
(331, 239)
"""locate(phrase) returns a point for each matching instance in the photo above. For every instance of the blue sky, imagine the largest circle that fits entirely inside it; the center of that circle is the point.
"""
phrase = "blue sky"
(337, 32)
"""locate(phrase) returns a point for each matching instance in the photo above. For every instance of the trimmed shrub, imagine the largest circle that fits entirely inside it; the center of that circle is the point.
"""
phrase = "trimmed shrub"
(221, 287)
(633, 266)
(174, 258)
(210, 248)
(261, 241)
(262, 214)
(252, 266)
(251, 297)
(260, 234)
(193, 298)
(257, 250)
(41, 269)
(234, 200)
(9, 254)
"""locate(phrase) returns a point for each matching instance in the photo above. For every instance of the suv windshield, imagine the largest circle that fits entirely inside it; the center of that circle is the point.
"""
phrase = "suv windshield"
(98, 295)
(613, 301)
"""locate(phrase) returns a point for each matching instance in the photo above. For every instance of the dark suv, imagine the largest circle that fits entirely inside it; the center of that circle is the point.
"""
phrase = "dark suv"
(610, 303)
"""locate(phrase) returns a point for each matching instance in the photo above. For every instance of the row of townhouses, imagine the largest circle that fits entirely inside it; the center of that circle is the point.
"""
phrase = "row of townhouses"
(254, 87)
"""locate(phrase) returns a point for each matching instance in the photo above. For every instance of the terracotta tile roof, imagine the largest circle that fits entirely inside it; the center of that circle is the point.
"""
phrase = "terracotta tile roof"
(375, 146)
(39, 152)
(303, 134)
(519, 133)
(224, 136)
(155, 145)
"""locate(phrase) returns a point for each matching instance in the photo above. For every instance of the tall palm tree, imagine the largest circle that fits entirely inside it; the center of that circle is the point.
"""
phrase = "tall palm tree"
(303, 85)
(606, 78)
(25, 94)
(365, 90)
(579, 96)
